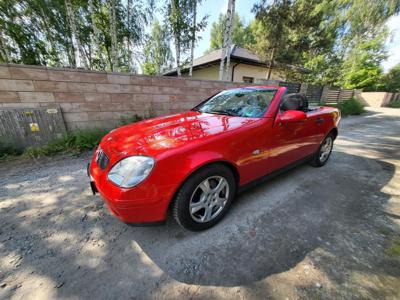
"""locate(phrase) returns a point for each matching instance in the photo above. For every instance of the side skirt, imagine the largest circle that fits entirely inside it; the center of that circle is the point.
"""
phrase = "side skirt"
(273, 174)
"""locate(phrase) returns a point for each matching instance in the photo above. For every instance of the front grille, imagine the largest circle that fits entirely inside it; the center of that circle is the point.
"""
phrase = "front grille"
(101, 159)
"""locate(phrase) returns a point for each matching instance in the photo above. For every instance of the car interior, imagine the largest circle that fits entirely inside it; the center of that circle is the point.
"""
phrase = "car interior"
(295, 101)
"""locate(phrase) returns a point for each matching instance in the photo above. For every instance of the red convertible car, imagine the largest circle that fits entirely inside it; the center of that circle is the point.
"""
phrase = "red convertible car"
(195, 162)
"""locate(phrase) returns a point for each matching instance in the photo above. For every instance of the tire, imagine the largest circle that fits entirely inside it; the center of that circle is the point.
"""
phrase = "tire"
(196, 209)
(321, 157)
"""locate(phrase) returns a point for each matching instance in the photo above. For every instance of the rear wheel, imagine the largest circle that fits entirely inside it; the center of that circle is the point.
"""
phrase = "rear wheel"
(322, 155)
(205, 197)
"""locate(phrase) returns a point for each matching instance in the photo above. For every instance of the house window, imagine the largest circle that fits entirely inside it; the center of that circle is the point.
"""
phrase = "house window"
(248, 79)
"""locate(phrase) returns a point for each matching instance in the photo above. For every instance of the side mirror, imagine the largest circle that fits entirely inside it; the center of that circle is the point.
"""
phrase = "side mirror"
(293, 116)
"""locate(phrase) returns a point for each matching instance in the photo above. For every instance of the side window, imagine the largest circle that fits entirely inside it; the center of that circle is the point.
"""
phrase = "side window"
(294, 102)
(248, 79)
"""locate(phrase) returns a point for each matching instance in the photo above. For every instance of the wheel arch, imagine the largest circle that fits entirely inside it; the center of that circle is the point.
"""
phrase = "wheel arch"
(334, 132)
(226, 163)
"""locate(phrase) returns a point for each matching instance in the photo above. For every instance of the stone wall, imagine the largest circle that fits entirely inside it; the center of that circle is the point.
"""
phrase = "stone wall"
(91, 99)
(377, 99)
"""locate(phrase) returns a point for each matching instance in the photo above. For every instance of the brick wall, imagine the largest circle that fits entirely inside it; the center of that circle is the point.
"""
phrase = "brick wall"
(91, 99)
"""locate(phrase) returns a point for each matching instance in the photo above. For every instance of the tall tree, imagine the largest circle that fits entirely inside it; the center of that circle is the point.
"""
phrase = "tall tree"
(272, 35)
(157, 51)
(392, 79)
(178, 22)
(113, 33)
(241, 34)
(193, 37)
(227, 38)
(76, 44)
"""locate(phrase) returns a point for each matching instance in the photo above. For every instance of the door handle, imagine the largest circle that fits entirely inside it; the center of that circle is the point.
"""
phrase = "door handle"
(320, 120)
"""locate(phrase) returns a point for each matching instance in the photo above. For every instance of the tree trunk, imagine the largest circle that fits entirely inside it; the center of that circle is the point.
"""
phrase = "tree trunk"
(178, 55)
(129, 43)
(229, 41)
(96, 34)
(4, 50)
(193, 37)
(49, 36)
(113, 32)
(224, 50)
(271, 63)
(79, 53)
(177, 41)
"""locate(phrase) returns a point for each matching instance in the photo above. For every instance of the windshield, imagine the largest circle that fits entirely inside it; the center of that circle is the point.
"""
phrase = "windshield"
(243, 102)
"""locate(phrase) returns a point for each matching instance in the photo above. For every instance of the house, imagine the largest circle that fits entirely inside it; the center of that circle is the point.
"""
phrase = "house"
(245, 66)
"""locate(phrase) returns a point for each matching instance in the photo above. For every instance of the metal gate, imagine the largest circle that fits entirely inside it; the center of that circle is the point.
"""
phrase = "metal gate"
(31, 127)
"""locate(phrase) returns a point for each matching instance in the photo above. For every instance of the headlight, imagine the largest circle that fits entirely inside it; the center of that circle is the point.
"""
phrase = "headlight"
(131, 171)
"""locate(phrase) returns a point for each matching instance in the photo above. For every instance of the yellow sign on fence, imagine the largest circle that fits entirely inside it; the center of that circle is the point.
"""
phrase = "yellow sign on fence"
(34, 127)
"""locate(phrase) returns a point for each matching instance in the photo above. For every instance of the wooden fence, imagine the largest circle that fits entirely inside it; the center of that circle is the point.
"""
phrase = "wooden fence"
(316, 94)
(31, 127)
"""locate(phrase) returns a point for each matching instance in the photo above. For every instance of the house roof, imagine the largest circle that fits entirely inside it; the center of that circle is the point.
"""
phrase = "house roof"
(237, 54)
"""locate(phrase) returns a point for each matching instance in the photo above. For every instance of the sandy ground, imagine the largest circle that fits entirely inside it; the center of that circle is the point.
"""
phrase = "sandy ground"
(320, 233)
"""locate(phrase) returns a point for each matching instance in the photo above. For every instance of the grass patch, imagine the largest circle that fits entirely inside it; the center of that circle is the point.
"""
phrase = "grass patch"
(131, 119)
(74, 143)
(394, 250)
(351, 107)
(394, 104)
(136, 118)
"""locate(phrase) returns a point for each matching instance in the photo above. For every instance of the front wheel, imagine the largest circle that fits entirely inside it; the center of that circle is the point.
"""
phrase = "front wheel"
(324, 152)
(205, 197)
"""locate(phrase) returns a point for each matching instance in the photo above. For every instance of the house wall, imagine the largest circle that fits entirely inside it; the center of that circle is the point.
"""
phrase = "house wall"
(254, 71)
(212, 73)
(209, 73)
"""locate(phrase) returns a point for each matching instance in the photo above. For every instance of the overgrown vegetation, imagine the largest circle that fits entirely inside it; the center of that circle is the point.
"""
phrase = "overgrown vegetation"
(394, 250)
(136, 118)
(351, 107)
(394, 104)
(74, 143)
(8, 148)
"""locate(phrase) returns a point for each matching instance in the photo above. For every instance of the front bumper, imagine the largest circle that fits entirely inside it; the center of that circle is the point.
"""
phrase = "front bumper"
(145, 204)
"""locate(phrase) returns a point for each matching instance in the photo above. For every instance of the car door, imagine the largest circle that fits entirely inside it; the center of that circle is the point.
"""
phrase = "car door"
(291, 142)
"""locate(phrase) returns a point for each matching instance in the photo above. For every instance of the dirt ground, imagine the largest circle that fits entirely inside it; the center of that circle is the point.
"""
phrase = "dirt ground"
(320, 233)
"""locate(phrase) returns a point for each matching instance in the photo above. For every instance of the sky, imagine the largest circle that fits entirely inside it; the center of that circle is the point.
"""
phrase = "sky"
(213, 8)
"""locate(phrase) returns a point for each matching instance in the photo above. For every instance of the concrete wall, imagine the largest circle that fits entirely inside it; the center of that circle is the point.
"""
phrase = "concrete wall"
(99, 99)
(375, 99)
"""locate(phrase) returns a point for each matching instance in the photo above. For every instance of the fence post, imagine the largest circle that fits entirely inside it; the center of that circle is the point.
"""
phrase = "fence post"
(324, 94)
(303, 88)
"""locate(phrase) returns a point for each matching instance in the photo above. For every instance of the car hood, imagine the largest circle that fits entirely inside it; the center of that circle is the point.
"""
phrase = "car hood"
(152, 136)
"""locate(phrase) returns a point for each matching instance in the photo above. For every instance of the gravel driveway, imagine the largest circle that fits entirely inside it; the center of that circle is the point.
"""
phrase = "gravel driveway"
(310, 233)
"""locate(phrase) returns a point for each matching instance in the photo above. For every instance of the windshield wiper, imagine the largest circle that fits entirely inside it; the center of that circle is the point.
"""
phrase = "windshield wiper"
(223, 112)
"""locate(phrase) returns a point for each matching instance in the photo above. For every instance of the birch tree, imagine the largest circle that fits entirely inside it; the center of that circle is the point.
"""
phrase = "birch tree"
(178, 24)
(76, 45)
(229, 40)
(113, 33)
(95, 32)
(225, 51)
(193, 42)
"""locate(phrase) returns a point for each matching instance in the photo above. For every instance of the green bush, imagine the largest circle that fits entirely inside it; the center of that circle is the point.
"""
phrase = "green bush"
(74, 142)
(8, 148)
(394, 104)
(349, 107)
